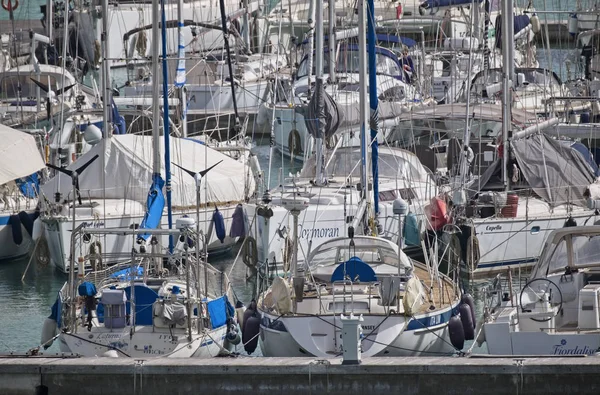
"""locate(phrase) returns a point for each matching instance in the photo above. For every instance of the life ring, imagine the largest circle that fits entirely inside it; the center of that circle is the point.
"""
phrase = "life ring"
(250, 252)
(294, 142)
(8, 5)
(473, 253)
(95, 255)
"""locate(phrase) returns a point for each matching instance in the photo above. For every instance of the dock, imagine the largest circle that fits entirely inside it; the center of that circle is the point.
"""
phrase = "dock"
(290, 376)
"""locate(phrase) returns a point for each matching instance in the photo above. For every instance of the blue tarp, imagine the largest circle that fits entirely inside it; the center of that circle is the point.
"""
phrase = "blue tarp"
(144, 300)
(87, 289)
(155, 205)
(520, 23)
(356, 269)
(217, 311)
(126, 274)
(29, 186)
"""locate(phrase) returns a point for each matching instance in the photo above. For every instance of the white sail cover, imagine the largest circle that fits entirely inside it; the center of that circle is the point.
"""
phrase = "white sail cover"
(19, 155)
(128, 172)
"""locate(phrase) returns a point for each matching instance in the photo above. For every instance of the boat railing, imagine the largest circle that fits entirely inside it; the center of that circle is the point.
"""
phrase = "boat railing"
(13, 200)
(104, 267)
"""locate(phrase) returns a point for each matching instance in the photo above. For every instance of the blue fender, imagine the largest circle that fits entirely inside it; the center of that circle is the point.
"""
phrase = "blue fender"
(219, 224)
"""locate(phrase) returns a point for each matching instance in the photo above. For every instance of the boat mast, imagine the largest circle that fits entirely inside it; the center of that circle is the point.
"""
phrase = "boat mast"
(507, 75)
(319, 90)
(373, 101)
(332, 42)
(362, 78)
(166, 122)
(155, 94)
(180, 73)
(229, 67)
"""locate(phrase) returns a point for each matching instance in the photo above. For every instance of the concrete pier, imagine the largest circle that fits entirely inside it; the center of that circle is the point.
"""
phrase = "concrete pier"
(245, 375)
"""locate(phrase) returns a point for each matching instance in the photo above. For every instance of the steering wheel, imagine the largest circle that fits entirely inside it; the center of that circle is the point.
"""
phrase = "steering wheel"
(540, 295)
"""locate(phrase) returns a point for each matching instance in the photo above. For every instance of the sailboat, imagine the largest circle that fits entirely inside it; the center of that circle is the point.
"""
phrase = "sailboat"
(370, 276)
(19, 185)
(534, 186)
(156, 303)
(114, 189)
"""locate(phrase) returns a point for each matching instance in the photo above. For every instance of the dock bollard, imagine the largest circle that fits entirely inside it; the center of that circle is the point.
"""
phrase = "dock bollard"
(351, 334)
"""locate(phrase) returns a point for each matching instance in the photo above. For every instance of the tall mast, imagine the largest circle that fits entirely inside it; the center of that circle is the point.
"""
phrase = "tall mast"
(155, 93)
(363, 104)
(507, 73)
(166, 122)
(373, 100)
(106, 89)
(180, 73)
(332, 41)
(319, 90)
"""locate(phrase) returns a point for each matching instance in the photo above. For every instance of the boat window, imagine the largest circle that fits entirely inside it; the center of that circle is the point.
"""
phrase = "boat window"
(586, 250)
(370, 255)
(557, 260)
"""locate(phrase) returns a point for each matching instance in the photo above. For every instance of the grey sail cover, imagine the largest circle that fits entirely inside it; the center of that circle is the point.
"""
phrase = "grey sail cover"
(321, 115)
(557, 173)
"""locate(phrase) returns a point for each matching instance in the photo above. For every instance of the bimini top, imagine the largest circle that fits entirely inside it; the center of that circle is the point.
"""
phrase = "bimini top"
(370, 250)
(17, 145)
(575, 247)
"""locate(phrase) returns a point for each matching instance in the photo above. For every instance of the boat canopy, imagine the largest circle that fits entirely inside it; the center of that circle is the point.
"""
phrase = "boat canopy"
(128, 173)
(557, 173)
(371, 250)
(16, 146)
(574, 248)
(394, 163)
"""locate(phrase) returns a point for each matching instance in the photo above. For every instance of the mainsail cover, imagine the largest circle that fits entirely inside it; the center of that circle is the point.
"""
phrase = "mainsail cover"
(17, 145)
(557, 173)
(128, 173)
(155, 205)
(321, 115)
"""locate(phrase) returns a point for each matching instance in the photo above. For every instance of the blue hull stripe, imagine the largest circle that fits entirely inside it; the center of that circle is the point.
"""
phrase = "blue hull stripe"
(506, 263)
(413, 324)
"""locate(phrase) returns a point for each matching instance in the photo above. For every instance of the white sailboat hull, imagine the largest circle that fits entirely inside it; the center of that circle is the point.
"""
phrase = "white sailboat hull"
(147, 341)
(396, 335)
(516, 242)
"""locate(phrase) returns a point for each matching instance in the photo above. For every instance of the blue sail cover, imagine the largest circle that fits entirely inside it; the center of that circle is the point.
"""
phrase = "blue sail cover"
(520, 23)
(29, 186)
(155, 205)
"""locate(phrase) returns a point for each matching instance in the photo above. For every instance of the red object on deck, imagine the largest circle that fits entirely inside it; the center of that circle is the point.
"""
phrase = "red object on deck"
(437, 213)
